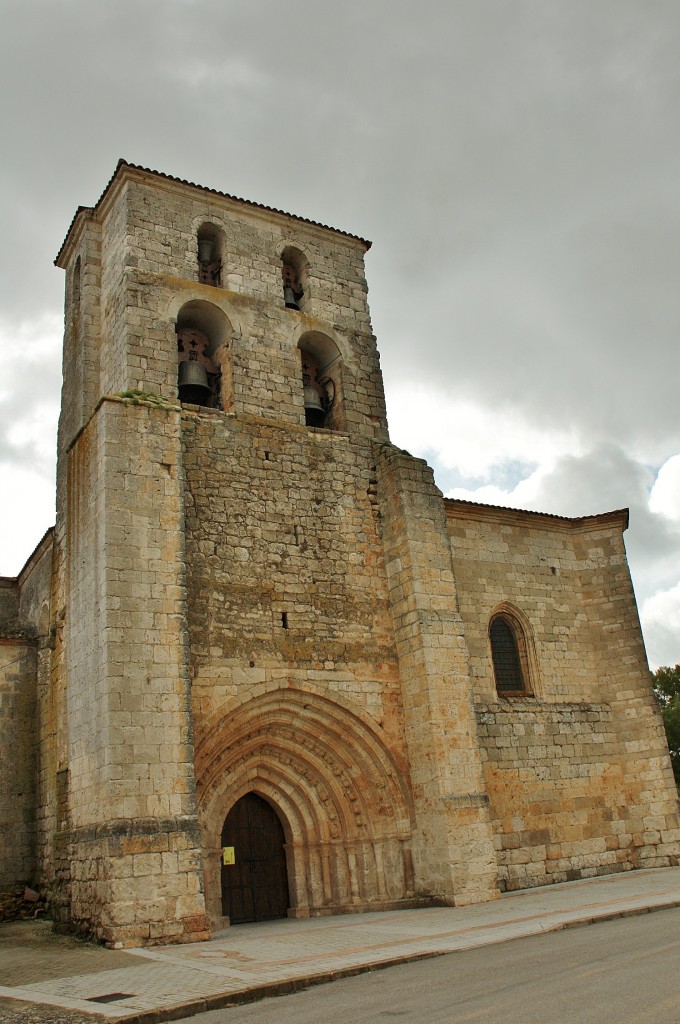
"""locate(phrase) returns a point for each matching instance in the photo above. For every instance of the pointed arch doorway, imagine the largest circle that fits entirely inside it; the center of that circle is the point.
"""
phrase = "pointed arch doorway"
(255, 885)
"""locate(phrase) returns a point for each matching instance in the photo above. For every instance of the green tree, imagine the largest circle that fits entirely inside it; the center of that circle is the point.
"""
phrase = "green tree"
(666, 683)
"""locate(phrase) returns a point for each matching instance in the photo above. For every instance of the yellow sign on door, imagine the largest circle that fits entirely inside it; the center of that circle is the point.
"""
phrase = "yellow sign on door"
(228, 856)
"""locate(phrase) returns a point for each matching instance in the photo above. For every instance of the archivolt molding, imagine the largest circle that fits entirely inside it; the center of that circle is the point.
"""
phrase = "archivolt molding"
(327, 771)
(199, 220)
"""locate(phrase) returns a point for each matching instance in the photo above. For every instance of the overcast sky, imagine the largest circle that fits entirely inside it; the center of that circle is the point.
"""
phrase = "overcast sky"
(515, 162)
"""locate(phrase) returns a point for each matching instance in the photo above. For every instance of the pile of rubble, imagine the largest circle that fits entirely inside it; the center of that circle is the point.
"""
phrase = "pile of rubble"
(22, 903)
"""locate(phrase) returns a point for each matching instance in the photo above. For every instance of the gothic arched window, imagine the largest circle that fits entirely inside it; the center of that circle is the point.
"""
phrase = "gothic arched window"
(509, 655)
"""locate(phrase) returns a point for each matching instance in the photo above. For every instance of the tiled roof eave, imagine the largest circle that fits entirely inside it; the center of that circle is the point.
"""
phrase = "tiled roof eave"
(202, 188)
(461, 508)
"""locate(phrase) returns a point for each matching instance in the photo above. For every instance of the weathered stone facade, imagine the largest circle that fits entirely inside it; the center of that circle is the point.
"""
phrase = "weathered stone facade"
(574, 770)
(24, 663)
(258, 597)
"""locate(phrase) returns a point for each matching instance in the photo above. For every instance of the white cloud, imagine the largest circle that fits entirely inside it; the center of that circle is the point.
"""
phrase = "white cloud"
(27, 511)
(660, 617)
(665, 494)
(465, 435)
(29, 392)
(29, 408)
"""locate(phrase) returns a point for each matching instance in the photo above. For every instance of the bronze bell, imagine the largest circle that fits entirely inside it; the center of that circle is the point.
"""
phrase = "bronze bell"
(193, 383)
(315, 414)
(289, 297)
(205, 250)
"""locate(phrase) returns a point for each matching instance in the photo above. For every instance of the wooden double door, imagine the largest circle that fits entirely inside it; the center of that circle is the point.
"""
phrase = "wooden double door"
(255, 885)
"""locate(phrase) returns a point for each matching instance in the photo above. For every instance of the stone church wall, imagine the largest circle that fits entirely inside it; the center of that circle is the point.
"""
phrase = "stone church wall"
(576, 772)
(289, 622)
(17, 761)
(24, 660)
(150, 277)
(285, 567)
(127, 825)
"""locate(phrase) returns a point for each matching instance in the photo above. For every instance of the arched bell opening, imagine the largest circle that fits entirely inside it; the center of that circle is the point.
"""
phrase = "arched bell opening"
(254, 871)
(321, 371)
(203, 355)
(295, 276)
(75, 302)
(75, 287)
(210, 245)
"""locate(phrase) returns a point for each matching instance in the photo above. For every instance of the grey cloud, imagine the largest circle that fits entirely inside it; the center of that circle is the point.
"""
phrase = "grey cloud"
(29, 396)
(515, 162)
(662, 643)
(604, 479)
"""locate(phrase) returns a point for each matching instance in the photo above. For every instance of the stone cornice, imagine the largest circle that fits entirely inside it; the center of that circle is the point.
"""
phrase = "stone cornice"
(125, 172)
(457, 508)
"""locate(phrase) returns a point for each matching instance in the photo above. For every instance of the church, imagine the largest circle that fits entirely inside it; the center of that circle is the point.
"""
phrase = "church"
(260, 667)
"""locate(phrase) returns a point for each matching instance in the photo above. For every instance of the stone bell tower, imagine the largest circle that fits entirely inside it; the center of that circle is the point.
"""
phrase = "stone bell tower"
(255, 590)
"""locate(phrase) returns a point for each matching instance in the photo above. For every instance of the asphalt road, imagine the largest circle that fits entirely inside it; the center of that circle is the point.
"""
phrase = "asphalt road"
(619, 972)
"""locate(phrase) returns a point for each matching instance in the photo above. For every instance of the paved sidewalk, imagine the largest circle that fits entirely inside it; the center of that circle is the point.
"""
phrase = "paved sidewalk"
(248, 962)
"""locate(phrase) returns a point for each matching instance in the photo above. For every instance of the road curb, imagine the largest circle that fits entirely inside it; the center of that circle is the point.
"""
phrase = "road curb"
(612, 915)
